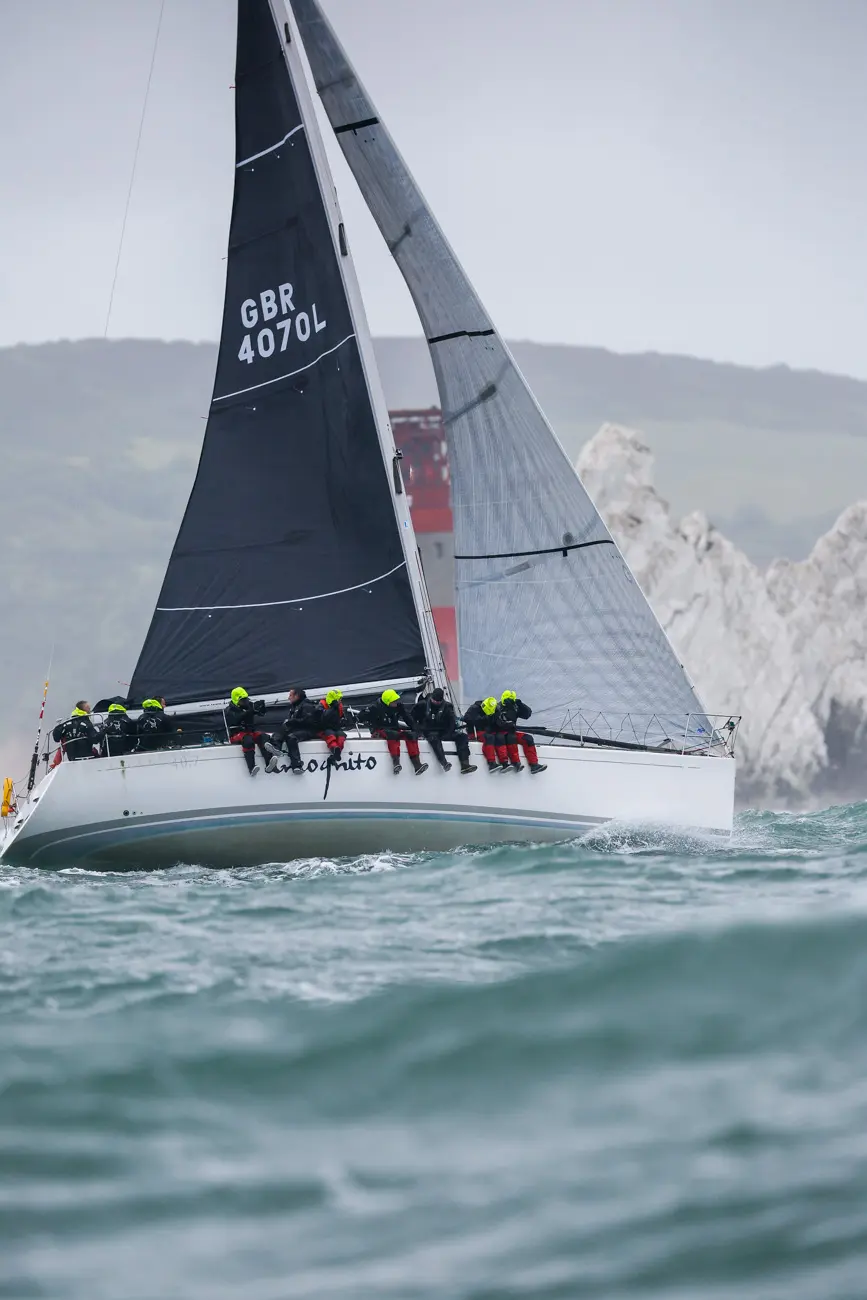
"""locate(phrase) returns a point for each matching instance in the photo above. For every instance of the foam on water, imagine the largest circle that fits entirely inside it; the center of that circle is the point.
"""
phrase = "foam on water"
(623, 1066)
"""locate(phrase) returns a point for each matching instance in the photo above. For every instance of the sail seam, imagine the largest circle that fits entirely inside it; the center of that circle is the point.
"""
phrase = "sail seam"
(271, 147)
(356, 126)
(271, 604)
(551, 550)
(239, 391)
(461, 334)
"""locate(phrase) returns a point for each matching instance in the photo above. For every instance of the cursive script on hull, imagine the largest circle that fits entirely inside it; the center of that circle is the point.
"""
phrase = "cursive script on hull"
(354, 763)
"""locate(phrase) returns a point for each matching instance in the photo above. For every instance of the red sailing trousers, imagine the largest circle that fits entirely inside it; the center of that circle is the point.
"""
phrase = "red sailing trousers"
(392, 739)
(526, 741)
(502, 746)
(493, 745)
(335, 740)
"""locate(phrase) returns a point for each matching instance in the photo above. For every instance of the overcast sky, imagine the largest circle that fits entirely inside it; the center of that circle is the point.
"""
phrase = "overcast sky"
(677, 175)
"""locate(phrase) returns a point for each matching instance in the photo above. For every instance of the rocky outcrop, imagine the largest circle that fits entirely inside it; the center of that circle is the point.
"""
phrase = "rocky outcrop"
(823, 600)
(785, 649)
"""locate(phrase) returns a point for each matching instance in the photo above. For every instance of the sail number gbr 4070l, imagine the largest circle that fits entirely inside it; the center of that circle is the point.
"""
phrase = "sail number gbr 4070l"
(277, 306)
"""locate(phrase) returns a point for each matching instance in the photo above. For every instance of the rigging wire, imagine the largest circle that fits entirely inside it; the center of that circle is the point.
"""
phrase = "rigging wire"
(134, 166)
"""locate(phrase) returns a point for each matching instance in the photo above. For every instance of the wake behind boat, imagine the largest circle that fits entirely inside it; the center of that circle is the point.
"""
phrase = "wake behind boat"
(296, 561)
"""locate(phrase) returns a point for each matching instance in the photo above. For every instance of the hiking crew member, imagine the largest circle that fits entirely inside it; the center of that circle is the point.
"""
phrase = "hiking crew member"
(332, 719)
(508, 713)
(389, 721)
(77, 736)
(241, 717)
(437, 721)
(483, 724)
(153, 727)
(303, 721)
(119, 731)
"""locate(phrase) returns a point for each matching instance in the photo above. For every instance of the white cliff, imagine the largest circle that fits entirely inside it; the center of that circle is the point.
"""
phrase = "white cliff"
(823, 600)
(753, 644)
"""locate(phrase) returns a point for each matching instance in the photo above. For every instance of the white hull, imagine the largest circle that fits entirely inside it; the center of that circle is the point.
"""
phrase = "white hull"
(200, 805)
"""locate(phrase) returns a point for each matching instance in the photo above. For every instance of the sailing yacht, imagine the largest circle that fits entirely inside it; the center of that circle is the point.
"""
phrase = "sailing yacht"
(296, 563)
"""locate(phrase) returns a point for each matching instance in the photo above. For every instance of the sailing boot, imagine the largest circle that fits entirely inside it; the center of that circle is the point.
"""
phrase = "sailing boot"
(276, 761)
(493, 765)
(538, 767)
(517, 767)
(298, 771)
(418, 764)
(395, 766)
(445, 765)
(466, 768)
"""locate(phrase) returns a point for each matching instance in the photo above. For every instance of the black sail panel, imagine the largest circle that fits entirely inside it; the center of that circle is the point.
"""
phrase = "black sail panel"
(288, 567)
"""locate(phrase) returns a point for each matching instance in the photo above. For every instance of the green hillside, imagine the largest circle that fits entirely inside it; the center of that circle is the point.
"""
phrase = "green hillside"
(100, 441)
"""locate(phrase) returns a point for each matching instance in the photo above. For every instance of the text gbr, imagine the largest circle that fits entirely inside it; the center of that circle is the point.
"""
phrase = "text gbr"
(275, 305)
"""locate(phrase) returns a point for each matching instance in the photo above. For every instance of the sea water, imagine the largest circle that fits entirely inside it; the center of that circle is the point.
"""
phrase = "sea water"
(607, 1068)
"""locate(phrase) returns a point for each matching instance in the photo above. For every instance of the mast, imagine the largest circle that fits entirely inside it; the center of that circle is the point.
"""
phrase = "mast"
(285, 23)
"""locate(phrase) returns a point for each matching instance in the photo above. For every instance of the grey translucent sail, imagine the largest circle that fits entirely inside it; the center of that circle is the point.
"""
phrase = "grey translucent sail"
(546, 603)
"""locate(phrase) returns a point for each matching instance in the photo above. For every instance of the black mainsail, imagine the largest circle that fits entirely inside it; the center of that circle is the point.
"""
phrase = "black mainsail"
(290, 566)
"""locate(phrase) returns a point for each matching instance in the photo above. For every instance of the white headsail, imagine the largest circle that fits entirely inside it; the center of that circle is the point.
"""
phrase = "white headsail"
(546, 603)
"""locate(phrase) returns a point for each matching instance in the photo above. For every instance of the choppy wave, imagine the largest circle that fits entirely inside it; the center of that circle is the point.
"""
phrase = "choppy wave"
(617, 1067)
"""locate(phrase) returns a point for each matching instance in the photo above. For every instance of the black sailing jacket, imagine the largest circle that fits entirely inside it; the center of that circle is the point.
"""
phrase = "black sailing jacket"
(242, 716)
(509, 711)
(79, 727)
(435, 717)
(479, 721)
(384, 717)
(304, 716)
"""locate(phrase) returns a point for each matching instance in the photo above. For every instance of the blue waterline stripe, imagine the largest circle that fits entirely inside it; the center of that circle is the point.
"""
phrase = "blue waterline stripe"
(132, 832)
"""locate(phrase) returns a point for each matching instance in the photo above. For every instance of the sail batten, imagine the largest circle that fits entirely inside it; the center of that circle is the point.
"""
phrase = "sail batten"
(546, 603)
(239, 392)
(296, 600)
(290, 565)
(271, 147)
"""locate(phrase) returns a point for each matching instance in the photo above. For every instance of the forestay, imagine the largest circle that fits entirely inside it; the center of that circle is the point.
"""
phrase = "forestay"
(289, 567)
(546, 603)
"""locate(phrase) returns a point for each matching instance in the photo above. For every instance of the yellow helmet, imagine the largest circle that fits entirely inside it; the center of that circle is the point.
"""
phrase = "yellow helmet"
(508, 695)
(151, 704)
(390, 697)
(239, 694)
(116, 708)
(333, 696)
(489, 706)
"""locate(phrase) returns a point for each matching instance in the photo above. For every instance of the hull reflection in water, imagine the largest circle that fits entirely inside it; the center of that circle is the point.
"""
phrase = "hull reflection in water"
(201, 805)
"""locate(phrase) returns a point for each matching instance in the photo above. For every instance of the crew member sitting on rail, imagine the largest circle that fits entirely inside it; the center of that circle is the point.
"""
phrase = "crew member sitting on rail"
(153, 727)
(118, 731)
(484, 725)
(508, 713)
(437, 721)
(389, 721)
(78, 737)
(332, 715)
(303, 721)
(241, 717)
